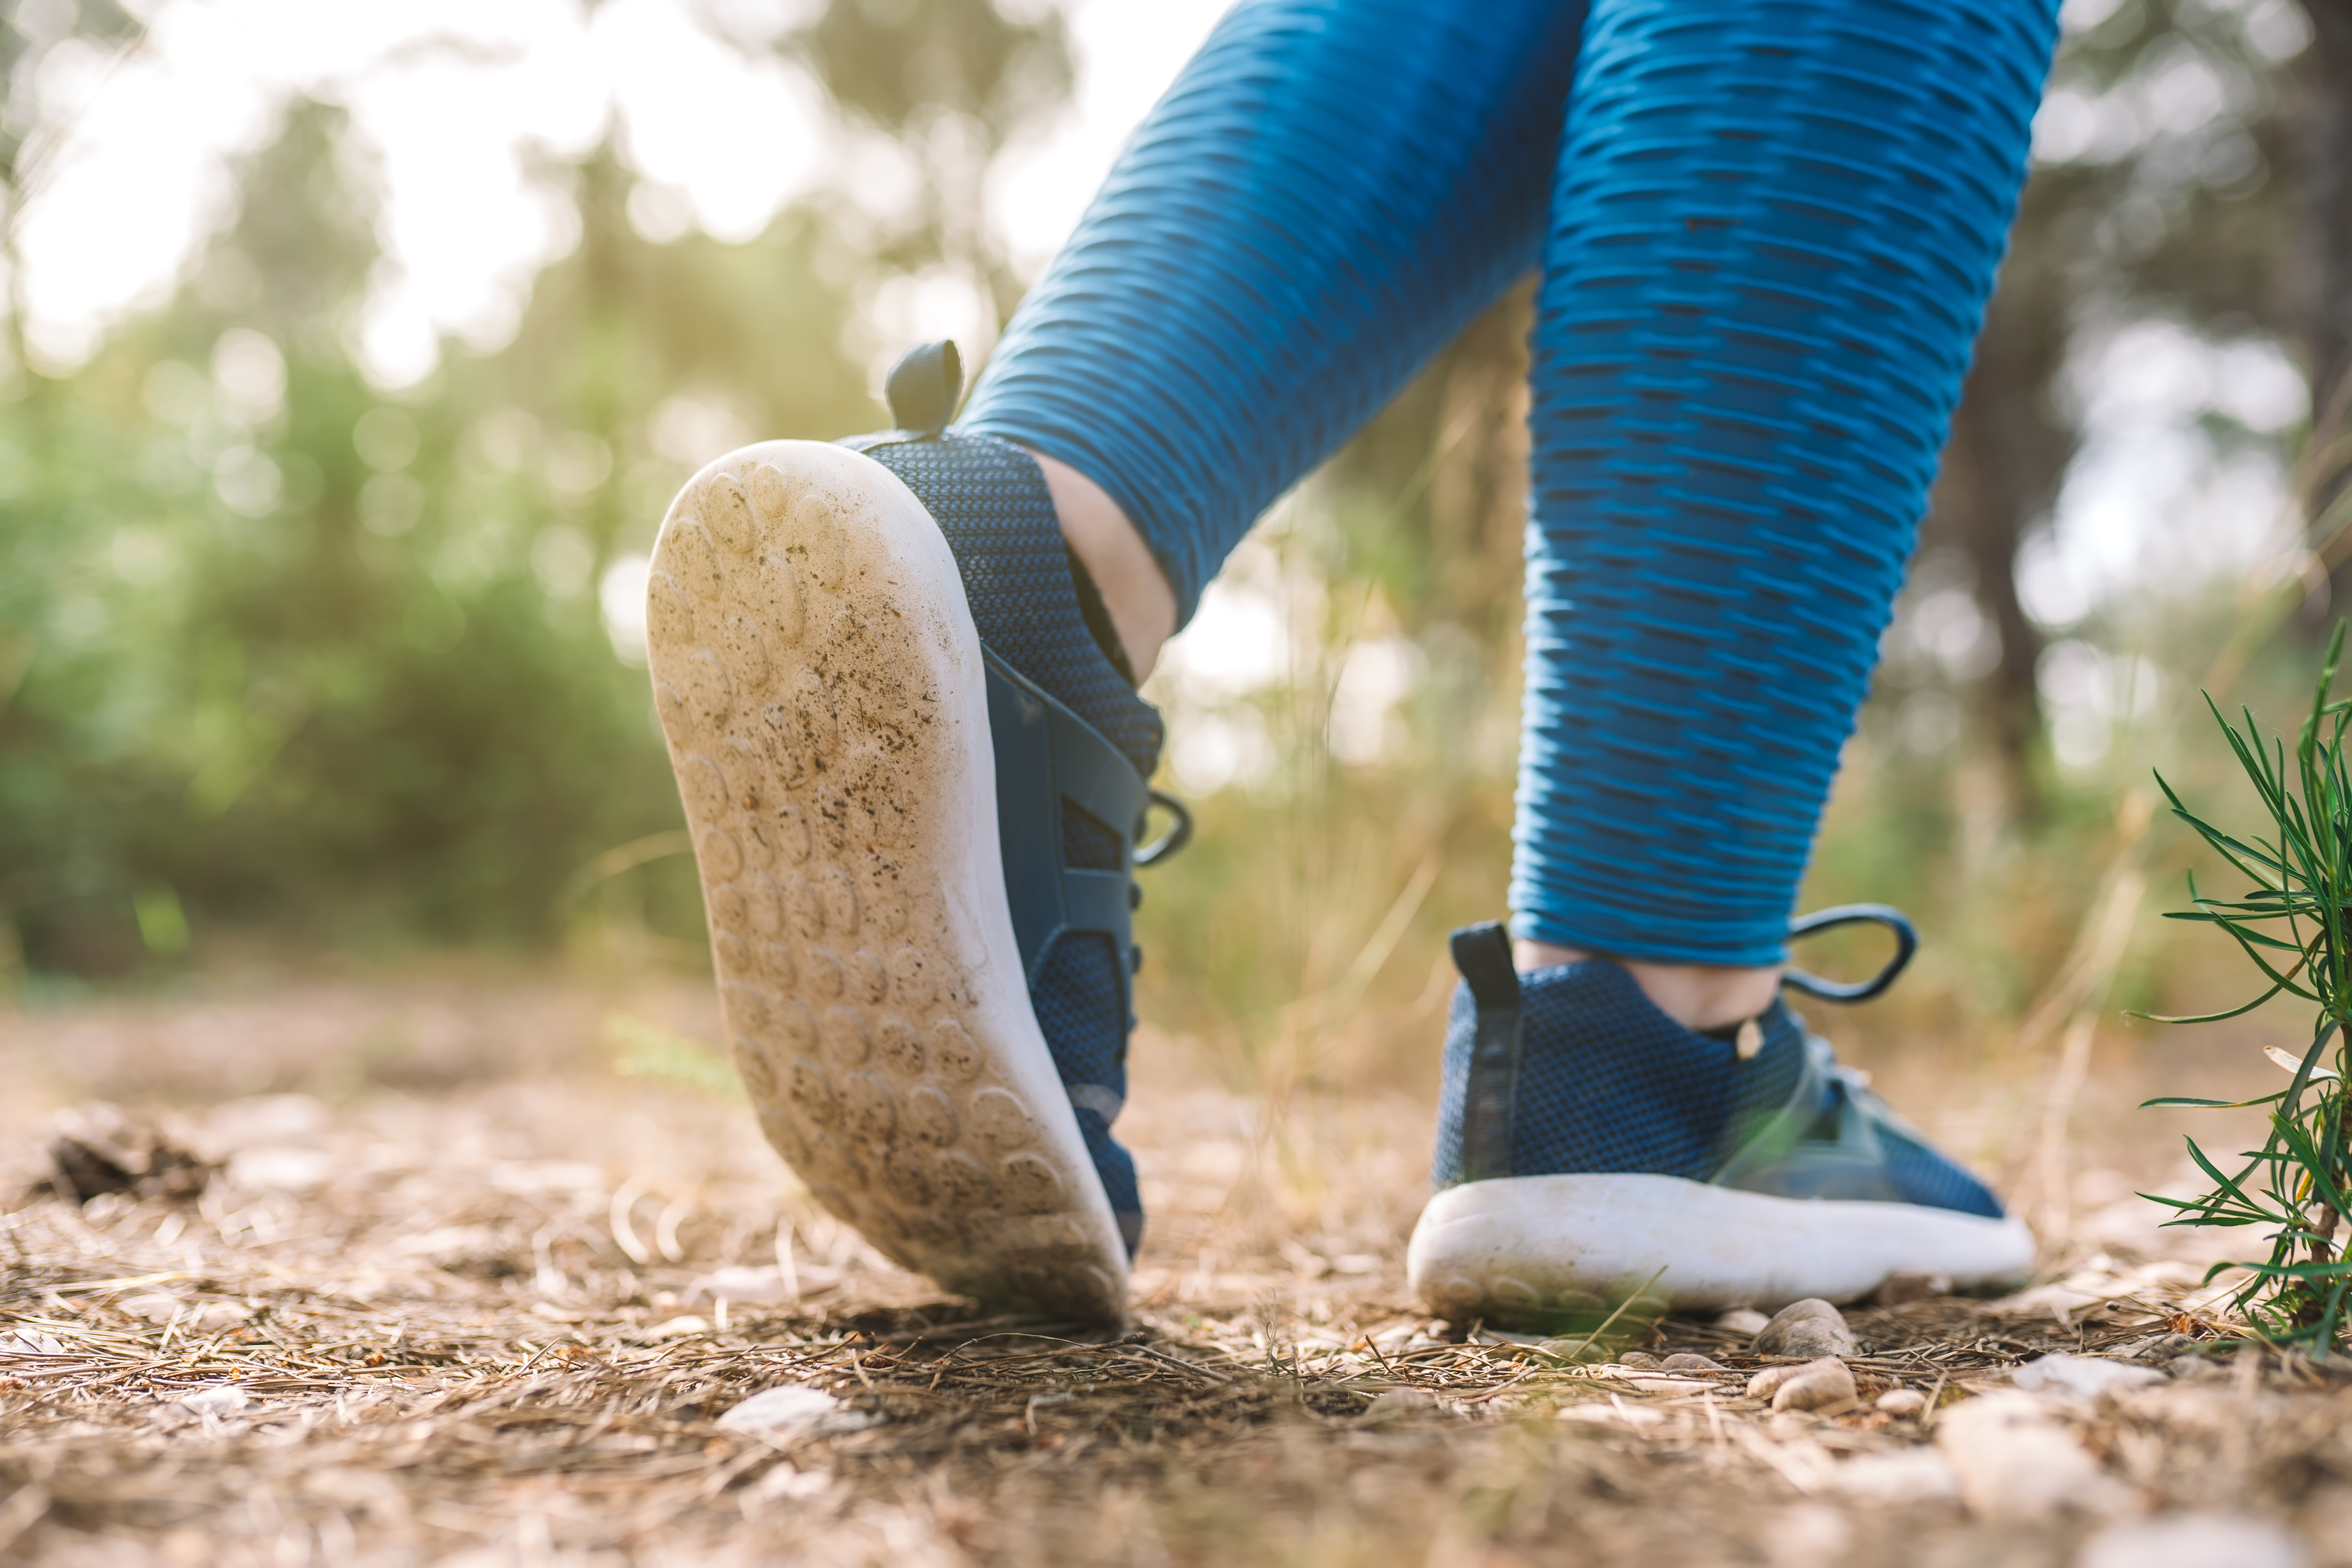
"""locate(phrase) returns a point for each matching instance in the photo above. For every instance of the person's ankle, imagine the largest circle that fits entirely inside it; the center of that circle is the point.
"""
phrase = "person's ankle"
(1134, 590)
(1698, 997)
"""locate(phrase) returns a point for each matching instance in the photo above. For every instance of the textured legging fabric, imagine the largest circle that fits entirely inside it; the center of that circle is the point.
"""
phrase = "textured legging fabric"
(1767, 230)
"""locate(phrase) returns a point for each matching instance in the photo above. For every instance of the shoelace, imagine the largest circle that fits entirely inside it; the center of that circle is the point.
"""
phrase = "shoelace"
(1907, 943)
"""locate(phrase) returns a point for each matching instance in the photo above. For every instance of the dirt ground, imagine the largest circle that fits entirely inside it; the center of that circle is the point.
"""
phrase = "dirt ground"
(456, 1289)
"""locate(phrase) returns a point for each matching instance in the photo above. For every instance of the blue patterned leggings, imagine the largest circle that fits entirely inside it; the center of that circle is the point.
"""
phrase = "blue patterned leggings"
(1767, 230)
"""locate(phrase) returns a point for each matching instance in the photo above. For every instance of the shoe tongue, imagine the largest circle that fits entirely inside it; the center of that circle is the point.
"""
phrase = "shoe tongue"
(924, 388)
(1765, 1082)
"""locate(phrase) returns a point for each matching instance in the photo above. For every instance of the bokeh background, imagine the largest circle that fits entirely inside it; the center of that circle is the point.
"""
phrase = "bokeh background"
(353, 352)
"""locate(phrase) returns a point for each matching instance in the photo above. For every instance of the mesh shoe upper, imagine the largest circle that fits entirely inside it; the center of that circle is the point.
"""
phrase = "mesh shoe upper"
(1609, 1083)
(990, 503)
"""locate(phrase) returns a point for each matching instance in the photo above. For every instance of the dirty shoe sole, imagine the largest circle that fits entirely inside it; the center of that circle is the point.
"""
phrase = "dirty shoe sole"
(1536, 1249)
(820, 684)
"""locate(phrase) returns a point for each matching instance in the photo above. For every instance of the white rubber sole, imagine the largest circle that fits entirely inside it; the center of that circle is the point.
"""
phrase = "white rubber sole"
(819, 681)
(1535, 1248)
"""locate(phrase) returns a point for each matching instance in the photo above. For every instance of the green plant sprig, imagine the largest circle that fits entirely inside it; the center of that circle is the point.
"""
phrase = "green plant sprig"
(2302, 876)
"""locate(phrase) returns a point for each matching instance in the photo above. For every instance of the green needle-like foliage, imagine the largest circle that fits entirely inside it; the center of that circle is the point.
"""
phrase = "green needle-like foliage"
(2292, 924)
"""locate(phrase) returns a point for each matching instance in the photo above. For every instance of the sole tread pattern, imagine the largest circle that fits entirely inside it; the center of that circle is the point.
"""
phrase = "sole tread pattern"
(818, 681)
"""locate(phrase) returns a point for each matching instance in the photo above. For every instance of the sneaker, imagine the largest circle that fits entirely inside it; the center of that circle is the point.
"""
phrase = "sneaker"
(1590, 1148)
(915, 781)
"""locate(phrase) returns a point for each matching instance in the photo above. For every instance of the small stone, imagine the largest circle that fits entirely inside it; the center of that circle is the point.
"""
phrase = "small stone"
(1613, 1414)
(280, 1170)
(1690, 1361)
(1906, 1404)
(222, 1399)
(1809, 1328)
(1642, 1359)
(793, 1410)
(2193, 1540)
(786, 1484)
(1905, 1475)
(1825, 1385)
(1806, 1532)
(1658, 1383)
(1896, 1289)
(2016, 1464)
(1742, 1320)
(2082, 1376)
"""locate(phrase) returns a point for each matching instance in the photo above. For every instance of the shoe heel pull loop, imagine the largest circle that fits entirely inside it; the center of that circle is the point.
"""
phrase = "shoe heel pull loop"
(1483, 953)
(1907, 943)
(924, 388)
(1490, 1106)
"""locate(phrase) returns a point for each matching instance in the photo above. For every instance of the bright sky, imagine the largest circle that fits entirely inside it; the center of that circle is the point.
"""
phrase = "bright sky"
(453, 95)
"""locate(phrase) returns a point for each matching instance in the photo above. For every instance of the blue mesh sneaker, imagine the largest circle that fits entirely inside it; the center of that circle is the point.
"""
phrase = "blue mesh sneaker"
(915, 780)
(1587, 1143)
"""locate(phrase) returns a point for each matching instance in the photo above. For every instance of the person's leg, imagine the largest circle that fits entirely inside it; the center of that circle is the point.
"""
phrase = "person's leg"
(1329, 194)
(1775, 226)
(1774, 232)
(930, 1001)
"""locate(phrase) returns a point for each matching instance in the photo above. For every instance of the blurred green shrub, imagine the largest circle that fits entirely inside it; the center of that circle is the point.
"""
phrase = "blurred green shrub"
(279, 651)
(283, 653)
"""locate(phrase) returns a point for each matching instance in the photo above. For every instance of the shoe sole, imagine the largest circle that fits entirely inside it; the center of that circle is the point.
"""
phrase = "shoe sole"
(819, 681)
(1539, 1249)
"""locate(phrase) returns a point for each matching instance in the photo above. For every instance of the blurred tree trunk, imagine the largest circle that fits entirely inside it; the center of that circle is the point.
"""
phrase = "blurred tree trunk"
(2008, 454)
(2321, 89)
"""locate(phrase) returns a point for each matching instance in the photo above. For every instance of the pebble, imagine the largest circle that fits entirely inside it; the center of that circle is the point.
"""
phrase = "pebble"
(1905, 1475)
(1612, 1414)
(1691, 1361)
(1804, 1534)
(222, 1399)
(2016, 1464)
(2192, 1540)
(1808, 1328)
(793, 1410)
(2085, 1377)
(786, 1483)
(1742, 1320)
(1659, 1383)
(1903, 1402)
(1826, 1385)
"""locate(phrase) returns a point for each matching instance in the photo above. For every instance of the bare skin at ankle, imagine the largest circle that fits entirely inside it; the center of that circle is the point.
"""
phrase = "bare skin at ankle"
(1698, 997)
(1142, 606)
(1134, 590)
